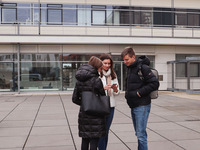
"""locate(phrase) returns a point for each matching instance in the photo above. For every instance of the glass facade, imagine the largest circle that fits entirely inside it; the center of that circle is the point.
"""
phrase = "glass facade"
(49, 71)
(87, 15)
(181, 67)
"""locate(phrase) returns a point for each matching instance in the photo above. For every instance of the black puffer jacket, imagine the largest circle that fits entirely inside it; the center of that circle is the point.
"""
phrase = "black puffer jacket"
(88, 80)
(135, 84)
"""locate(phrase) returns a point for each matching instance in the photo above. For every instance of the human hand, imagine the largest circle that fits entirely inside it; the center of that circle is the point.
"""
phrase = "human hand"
(114, 87)
(107, 87)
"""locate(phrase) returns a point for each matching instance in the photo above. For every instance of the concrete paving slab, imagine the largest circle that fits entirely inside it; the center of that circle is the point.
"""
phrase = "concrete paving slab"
(15, 124)
(49, 140)
(189, 144)
(12, 142)
(14, 131)
(54, 130)
(52, 121)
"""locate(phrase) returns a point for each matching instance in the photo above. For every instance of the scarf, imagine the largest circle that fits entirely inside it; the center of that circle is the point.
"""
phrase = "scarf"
(108, 79)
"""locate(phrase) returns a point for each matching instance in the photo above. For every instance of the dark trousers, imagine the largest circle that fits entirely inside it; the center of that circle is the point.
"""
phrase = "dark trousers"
(93, 142)
(103, 141)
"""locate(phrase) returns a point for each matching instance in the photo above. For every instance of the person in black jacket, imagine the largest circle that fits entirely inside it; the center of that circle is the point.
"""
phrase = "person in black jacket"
(138, 93)
(91, 128)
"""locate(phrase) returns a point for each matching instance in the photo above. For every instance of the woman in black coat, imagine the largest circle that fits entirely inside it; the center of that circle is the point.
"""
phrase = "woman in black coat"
(91, 128)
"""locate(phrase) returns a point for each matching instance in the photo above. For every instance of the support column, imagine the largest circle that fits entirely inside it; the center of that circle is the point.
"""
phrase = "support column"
(18, 62)
(188, 75)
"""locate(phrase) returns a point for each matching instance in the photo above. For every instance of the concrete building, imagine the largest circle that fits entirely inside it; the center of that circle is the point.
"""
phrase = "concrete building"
(43, 42)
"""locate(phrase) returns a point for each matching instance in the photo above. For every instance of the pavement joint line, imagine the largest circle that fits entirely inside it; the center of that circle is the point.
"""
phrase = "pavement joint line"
(33, 123)
(152, 130)
(68, 122)
(120, 140)
(174, 121)
(14, 109)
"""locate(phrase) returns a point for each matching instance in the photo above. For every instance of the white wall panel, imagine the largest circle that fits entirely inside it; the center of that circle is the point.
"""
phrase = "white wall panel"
(151, 3)
(28, 49)
(108, 2)
(187, 4)
(8, 49)
(85, 49)
(50, 49)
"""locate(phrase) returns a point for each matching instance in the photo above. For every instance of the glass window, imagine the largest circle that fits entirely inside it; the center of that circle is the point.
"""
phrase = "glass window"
(9, 14)
(162, 16)
(142, 16)
(8, 57)
(36, 14)
(43, 14)
(40, 75)
(69, 15)
(193, 18)
(54, 14)
(84, 15)
(109, 15)
(98, 15)
(181, 67)
(181, 17)
(24, 13)
(116, 14)
(8, 71)
(146, 17)
(122, 15)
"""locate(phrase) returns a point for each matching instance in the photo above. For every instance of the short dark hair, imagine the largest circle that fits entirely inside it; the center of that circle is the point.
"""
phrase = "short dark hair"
(107, 56)
(128, 51)
(95, 62)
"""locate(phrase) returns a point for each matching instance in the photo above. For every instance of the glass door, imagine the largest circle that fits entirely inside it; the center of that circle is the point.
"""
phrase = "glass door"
(7, 76)
(69, 72)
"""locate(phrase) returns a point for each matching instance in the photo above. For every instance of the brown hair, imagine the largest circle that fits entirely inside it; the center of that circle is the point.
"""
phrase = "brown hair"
(128, 51)
(107, 56)
(95, 62)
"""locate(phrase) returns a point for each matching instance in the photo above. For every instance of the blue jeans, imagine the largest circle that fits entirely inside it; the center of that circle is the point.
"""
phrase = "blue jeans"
(140, 117)
(103, 141)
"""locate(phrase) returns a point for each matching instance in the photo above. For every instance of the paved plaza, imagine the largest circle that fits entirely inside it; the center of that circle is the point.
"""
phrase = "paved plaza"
(48, 121)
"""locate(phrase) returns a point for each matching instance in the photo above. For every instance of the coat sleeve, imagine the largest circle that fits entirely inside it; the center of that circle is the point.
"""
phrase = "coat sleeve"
(151, 83)
(76, 96)
(98, 86)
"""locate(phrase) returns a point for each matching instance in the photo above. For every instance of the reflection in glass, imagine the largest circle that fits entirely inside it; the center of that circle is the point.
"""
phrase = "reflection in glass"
(9, 15)
(8, 72)
(24, 13)
(69, 15)
(44, 75)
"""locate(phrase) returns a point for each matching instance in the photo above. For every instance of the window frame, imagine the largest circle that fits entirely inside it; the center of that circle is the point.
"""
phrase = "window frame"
(55, 8)
(3, 6)
(98, 9)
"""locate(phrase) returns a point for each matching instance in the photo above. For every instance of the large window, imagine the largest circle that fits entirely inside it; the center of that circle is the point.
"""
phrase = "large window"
(9, 13)
(98, 15)
(54, 14)
(193, 18)
(69, 15)
(163, 17)
(24, 13)
(181, 17)
(181, 67)
(142, 16)
(87, 15)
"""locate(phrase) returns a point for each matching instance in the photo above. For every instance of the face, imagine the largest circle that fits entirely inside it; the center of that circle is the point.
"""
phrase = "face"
(128, 60)
(106, 64)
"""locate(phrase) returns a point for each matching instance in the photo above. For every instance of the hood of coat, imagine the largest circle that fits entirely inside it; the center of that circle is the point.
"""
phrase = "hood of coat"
(142, 59)
(85, 72)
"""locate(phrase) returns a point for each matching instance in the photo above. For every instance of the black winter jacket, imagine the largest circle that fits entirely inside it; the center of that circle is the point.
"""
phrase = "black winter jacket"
(88, 80)
(135, 84)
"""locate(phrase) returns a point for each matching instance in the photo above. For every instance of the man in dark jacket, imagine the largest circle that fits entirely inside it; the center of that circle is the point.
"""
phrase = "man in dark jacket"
(138, 93)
